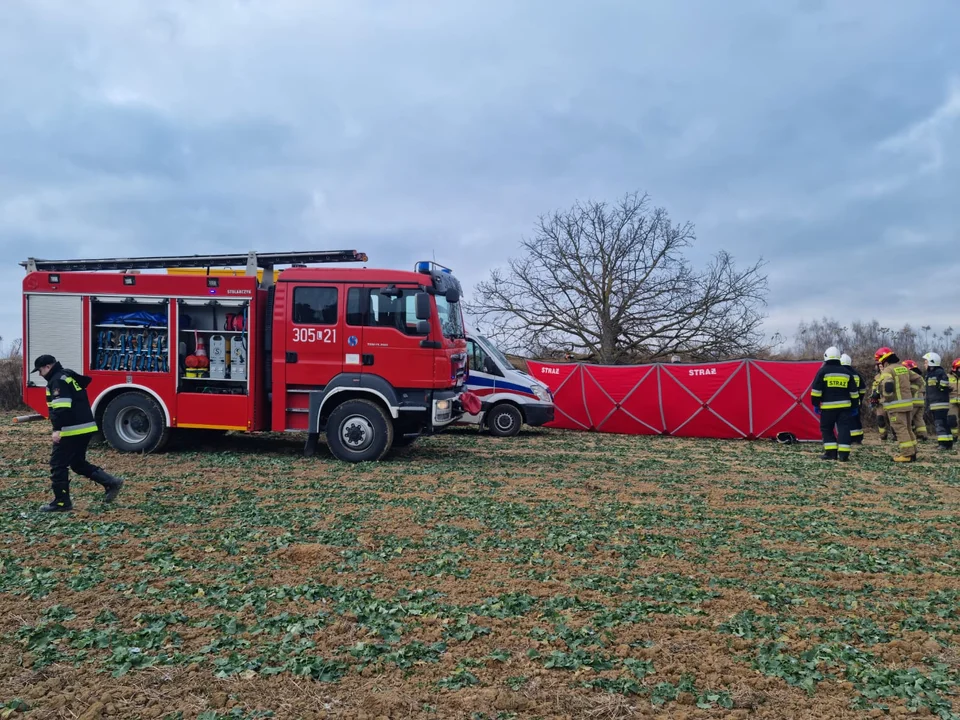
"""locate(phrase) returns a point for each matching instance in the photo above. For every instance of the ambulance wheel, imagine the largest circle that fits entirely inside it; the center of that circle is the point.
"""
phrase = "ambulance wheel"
(134, 422)
(504, 420)
(359, 431)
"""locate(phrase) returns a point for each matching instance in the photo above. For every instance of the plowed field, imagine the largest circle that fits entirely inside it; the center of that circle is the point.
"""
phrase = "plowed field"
(553, 575)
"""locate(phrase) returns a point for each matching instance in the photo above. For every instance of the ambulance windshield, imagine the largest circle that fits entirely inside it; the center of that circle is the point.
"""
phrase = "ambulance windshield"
(494, 350)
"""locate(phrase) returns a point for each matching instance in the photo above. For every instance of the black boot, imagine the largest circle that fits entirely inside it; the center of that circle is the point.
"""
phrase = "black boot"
(829, 455)
(61, 499)
(112, 484)
(843, 457)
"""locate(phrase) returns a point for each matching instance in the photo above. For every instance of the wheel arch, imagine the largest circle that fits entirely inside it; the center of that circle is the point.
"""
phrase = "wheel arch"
(103, 400)
(351, 386)
(505, 400)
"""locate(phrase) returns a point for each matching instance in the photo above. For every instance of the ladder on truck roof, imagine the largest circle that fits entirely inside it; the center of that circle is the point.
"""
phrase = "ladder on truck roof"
(252, 260)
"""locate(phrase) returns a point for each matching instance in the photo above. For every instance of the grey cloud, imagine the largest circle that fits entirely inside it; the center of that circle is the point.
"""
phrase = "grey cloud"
(801, 131)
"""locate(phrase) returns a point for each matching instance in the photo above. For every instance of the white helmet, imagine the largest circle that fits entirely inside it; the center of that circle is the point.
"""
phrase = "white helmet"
(933, 359)
(846, 359)
(832, 353)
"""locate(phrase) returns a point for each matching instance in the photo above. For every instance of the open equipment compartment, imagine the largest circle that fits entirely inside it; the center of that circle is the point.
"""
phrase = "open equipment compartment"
(213, 346)
(129, 334)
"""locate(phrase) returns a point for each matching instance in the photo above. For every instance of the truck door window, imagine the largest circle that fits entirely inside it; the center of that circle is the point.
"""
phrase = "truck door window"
(398, 313)
(315, 306)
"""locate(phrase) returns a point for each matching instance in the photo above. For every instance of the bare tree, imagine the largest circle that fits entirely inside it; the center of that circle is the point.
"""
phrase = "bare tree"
(610, 282)
(11, 375)
(863, 339)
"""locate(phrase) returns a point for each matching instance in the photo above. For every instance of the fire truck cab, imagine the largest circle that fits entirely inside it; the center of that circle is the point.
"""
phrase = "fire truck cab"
(373, 358)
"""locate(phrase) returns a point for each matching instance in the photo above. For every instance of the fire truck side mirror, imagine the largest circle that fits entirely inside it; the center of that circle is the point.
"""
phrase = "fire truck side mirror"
(453, 296)
(424, 308)
(423, 327)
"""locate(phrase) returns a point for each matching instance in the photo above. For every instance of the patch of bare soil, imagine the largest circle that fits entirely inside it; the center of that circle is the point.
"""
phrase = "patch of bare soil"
(558, 575)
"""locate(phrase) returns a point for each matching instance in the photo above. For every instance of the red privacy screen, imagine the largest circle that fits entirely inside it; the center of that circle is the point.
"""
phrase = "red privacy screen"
(746, 399)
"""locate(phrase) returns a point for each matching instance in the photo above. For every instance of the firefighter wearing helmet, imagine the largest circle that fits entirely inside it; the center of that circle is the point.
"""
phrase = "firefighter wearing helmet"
(856, 424)
(954, 416)
(918, 388)
(893, 391)
(835, 398)
(938, 399)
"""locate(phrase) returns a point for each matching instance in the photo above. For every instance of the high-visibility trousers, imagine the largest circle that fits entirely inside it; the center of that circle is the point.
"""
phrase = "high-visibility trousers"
(901, 423)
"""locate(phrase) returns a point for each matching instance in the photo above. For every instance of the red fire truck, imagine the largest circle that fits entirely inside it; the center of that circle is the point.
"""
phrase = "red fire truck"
(373, 358)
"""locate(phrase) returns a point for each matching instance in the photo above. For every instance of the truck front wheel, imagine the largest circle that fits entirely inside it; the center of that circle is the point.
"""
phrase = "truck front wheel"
(504, 420)
(134, 422)
(359, 431)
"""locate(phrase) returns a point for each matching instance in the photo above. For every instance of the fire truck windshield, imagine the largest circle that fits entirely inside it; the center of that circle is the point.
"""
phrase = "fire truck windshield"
(450, 318)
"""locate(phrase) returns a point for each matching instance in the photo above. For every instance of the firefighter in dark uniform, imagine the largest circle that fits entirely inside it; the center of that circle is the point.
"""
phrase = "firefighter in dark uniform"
(835, 397)
(856, 424)
(73, 426)
(938, 399)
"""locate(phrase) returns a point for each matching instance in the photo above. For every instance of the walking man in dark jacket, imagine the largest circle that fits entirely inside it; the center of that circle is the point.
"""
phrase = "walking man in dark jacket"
(73, 426)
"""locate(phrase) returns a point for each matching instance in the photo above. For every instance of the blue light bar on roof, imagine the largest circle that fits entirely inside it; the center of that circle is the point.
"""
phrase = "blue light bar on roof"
(428, 267)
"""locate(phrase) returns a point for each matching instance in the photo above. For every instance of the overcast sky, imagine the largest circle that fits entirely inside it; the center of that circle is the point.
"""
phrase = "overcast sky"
(824, 136)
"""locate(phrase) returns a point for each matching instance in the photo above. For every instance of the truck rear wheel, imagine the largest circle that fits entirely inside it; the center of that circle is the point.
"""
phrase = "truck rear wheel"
(359, 431)
(134, 422)
(504, 420)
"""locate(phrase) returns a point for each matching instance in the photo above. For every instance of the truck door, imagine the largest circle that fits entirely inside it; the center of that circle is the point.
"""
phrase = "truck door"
(314, 342)
(382, 331)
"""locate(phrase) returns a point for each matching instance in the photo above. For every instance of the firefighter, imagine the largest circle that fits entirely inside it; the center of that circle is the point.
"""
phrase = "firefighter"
(893, 390)
(835, 398)
(938, 399)
(918, 388)
(856, 424)
(73, 426)
(954, 417)
(883, 422)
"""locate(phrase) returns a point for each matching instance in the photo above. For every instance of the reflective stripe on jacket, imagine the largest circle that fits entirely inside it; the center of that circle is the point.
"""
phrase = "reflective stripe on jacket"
(70, 412)
(893, 386)
(938, 389)
(834, 387)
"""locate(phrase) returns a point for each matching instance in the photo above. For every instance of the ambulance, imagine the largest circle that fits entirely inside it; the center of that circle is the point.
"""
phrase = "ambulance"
(510, 398)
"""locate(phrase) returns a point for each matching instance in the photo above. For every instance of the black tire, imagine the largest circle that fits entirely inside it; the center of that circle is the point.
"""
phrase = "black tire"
(134, 422)
(359, 431)
(503, 420)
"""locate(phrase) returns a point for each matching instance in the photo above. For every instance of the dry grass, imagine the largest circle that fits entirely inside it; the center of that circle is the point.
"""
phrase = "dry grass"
(11, 377)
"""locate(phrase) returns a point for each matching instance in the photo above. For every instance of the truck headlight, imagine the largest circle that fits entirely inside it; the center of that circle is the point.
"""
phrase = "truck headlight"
(541, 393)
(443, 405)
